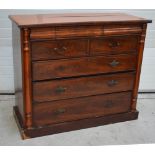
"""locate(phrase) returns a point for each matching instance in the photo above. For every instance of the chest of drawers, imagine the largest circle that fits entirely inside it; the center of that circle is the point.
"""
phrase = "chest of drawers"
(75, 71)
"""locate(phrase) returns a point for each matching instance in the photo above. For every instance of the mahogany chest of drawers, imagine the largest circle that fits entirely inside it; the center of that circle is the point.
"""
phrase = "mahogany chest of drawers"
(75, 71)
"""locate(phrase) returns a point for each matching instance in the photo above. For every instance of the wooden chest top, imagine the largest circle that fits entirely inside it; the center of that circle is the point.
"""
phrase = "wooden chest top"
(74, 18)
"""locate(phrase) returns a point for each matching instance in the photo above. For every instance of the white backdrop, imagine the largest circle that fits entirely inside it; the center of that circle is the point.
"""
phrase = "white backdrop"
(6, 61)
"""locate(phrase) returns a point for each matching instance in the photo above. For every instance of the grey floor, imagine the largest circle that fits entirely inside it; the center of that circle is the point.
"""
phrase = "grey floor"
(139, 131)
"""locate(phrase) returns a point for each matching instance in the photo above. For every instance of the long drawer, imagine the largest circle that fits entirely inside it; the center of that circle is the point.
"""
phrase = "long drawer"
(84, 31)
(85, 86)
(73, 109)
(44, 70)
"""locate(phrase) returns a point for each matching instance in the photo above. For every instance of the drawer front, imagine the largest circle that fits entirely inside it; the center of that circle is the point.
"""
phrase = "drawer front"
(85, 86)
(84, 31)
(83, 66)
(44, 50)
(114, 45)
(42, 33)
(122, 29)
(97, 30)
(79, 31)
(73, 109)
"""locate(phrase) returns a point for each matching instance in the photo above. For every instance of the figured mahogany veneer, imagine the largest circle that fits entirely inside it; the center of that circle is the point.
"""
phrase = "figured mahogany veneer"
(79, 87)
(75, 71)
(114, 45)
(83, 66)
(80, 108)
(45, 50)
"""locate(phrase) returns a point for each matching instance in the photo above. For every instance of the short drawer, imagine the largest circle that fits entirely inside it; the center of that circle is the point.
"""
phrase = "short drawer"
(114, 45)
(73, 109)
(83, 66)
(85, 86)
(42, 33)
(44, 50)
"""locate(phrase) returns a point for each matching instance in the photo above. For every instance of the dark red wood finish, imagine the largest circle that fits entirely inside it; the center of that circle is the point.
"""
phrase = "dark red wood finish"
(71, 125)
(75, 71)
